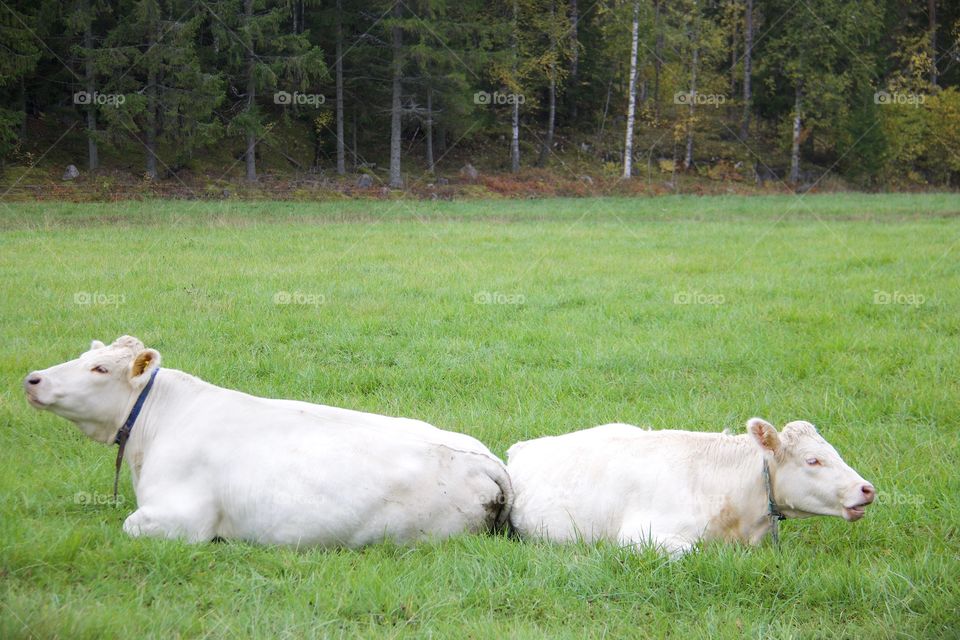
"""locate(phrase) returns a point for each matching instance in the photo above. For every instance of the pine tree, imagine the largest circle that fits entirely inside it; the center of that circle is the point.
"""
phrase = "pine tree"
(154, 90)
(266, 66)
(21, 54)
(807, 56)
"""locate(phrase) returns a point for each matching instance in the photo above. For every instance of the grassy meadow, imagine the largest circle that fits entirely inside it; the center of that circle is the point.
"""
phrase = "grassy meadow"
(506, 320)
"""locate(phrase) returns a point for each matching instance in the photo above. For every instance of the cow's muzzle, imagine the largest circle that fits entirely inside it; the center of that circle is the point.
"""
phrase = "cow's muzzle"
(859, 509)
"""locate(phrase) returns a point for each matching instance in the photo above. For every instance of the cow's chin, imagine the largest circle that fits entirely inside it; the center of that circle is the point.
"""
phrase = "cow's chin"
(855, 512)
(36, 403)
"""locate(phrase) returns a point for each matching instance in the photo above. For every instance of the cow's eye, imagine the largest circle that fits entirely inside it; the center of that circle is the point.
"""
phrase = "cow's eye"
(813, 462)
(99, 369)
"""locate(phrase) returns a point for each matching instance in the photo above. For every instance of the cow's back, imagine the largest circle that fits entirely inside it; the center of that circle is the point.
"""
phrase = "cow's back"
(585, 484)
(396, 425)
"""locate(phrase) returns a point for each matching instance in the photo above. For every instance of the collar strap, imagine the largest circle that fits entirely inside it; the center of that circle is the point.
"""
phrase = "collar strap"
(124, 433)
(772, 511)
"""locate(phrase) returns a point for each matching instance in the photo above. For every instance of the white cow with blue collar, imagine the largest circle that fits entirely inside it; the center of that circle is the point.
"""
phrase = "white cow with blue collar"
(209, 462)
(670, 489)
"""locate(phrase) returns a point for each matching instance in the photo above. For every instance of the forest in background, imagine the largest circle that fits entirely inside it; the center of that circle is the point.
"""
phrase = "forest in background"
(753, 91)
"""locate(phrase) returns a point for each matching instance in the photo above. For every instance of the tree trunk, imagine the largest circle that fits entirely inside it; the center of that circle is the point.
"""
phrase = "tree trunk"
(396, 180)
(795, 148)
(734, 42)
(932, 15)
(515, 116)
(747, 69)
(547, 145)
(515, 138)
(606, 104)
(341, 152)
(22, 101)
(574, 58)
(632, 104)
(151, 133)
(93, 159)
(688, 155)
(354, 135)
(429, 129)
(251, 154)
(657, 56)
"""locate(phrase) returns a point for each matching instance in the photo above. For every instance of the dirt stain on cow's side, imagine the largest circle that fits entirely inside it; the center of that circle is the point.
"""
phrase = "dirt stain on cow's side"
(726, 524)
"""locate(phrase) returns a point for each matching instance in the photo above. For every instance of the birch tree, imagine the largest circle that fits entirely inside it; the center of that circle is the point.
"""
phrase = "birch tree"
(807, 55)
(632, 92)
(555, 25)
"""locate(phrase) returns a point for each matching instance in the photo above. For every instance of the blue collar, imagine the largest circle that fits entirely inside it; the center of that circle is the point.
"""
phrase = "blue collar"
(773, 512)
(127, 427)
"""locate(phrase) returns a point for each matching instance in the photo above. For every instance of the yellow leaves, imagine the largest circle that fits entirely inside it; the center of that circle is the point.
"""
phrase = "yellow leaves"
(944, 109)
(323, 121)
(920, 64)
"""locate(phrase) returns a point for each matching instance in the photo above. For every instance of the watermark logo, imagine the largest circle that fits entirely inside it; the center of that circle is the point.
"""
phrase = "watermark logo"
(289, 499)
(899, 98)
(698, 297)
(898, 297)
(300, 99)
(299, 297)
(699, 99)
(497, 498)
(85, 498)
(498, 98)
(497, 297)
(97, 298)
(899, 499)
(99, 99)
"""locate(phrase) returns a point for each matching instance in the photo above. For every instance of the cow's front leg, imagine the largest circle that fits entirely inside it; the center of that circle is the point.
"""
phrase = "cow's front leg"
(190, 524)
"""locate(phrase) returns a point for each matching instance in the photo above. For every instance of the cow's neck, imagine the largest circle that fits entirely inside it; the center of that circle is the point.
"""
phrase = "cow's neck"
(741, 512)
(172, 391)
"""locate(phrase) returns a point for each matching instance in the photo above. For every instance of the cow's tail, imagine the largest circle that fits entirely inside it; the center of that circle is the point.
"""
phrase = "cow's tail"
(504, 502)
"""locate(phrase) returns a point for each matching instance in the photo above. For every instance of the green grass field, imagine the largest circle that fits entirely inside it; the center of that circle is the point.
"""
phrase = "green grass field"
(506, 320)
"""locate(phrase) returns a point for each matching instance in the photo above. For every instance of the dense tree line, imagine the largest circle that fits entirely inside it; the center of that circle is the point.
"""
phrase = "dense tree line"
(868, 89)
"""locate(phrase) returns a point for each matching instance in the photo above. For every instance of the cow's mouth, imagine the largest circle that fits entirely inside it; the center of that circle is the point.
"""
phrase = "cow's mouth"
(855, 512)
(36, 403)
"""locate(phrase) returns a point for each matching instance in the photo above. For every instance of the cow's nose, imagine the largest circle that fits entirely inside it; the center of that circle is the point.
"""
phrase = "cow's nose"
(33, 379)
(869, 493)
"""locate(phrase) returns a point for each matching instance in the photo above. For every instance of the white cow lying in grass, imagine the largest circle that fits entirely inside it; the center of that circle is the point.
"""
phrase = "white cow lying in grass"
(209, 462)
(670, 489)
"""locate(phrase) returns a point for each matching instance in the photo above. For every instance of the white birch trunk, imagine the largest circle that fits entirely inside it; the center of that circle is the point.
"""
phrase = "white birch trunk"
(632, 105)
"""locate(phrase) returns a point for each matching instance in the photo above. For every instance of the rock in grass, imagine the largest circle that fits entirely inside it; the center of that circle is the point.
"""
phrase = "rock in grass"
(469, 172)
(72, 173)
(365, 181)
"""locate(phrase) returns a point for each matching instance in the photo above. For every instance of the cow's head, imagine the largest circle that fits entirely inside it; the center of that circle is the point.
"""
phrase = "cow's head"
(808, 475)
(98, 389)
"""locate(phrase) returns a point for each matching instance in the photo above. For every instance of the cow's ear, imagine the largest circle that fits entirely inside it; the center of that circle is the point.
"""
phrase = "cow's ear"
(96, 344)
(143, 366)
(764, 433)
